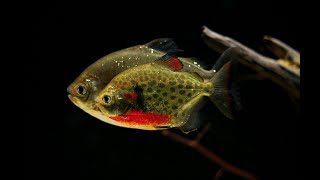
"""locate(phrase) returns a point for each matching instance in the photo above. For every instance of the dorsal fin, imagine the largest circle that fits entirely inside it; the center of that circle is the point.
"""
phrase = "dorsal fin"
(171, 61)
(162, 44)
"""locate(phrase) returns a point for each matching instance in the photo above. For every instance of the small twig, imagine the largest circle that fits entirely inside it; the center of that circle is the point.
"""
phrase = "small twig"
(286, 76)
(209, 154)
(202, 133)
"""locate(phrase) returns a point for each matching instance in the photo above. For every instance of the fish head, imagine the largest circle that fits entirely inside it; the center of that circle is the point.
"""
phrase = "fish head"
(112, 102)
(83, 91)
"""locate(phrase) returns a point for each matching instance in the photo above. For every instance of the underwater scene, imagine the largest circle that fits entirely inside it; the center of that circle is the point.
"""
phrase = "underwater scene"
(163, 93)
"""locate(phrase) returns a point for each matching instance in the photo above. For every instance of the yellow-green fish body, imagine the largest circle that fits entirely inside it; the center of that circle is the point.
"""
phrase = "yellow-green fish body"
(159, 95)
(94, 78)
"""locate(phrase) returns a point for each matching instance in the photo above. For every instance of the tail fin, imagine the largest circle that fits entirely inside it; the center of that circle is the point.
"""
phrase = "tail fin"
(225, 92)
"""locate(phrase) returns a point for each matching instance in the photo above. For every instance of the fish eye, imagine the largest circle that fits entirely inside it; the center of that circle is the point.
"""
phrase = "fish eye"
(82, 90)
(106, 99)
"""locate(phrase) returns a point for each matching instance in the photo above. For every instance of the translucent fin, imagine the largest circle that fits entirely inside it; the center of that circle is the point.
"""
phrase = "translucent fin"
(193, 123)
(188, 114)
(228, 55)
(225, 93)
(162, 44)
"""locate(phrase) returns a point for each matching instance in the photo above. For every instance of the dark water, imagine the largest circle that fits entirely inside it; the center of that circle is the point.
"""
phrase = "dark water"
(58, 140)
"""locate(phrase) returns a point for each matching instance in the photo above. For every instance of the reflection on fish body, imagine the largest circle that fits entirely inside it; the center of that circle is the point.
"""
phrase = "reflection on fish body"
(159, 95)
(94, 78)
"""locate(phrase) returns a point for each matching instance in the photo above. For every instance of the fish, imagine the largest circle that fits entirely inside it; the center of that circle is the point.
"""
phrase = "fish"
(83, 90)
(158, 95)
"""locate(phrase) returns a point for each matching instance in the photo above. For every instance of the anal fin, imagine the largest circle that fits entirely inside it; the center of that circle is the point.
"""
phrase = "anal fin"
(189, 114)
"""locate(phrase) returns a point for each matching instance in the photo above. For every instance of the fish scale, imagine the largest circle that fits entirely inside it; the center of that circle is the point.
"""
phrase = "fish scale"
(164, 91)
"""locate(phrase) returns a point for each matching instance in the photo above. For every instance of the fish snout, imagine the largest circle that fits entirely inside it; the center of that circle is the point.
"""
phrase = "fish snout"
(69, 89)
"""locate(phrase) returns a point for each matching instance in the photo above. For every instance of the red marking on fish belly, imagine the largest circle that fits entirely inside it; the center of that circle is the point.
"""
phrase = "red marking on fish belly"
(131, 97)
(142, 118)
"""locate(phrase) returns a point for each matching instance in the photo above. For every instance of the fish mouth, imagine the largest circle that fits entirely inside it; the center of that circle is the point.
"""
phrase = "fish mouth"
(71, 98)
(77, 102)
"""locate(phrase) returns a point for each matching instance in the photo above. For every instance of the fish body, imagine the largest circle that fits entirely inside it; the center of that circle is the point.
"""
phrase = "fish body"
(94, 78)
(159, 95)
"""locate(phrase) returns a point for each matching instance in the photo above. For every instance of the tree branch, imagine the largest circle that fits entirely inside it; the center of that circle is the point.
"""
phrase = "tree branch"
(209, 154)
(281, 72)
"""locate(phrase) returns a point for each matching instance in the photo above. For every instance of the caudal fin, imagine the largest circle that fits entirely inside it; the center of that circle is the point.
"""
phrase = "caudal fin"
(225, 92)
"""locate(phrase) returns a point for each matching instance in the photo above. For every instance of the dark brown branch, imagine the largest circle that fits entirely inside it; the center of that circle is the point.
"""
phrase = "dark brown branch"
(287, 77)
(209, 154)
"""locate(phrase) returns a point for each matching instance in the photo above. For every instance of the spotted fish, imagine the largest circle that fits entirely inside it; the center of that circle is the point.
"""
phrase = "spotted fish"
(159, 95)
(94, 78)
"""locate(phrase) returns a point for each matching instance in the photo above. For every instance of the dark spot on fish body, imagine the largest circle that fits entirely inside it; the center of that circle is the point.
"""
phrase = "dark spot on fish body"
(164, 79)
(181, 81)
(160, 99)
(146, 78)
(133, 82)
(161, 85)
(164, 109)
(164, 94)
(180, 86)
(189, 83)
(173, 97)
(138, 90)
(152, 77)
(143, 85)
(152, 83)
(125, 83)
(181, 76)
(188, 87)
(182, 92)
(165, 102)
(172, 89)
(180, 100)
(172, 83)
(189, 94)
(158, 91)
(149, 89)
(149, 98)
(155, 95)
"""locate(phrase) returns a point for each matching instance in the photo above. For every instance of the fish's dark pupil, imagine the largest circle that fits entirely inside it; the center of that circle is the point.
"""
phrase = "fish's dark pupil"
(106, 99)
(81, 90)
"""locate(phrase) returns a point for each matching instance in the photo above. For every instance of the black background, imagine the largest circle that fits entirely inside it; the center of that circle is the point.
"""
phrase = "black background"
(58, 140)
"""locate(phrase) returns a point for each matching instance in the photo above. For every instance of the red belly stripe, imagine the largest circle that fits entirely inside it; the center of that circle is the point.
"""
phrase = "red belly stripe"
(142, 118)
